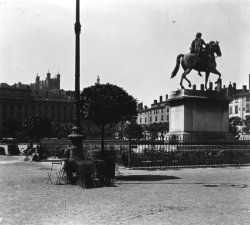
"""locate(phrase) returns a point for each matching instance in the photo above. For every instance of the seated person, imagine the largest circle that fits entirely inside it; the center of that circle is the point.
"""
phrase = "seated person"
(35, 156)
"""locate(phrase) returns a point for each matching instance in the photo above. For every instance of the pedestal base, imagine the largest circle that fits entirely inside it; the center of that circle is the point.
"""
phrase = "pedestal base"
(199, 114)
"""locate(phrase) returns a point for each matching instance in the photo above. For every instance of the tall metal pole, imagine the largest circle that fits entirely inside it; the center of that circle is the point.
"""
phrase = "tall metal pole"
(76, 136)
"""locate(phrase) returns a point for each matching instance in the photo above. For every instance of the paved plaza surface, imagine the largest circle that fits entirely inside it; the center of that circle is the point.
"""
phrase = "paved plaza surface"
(172, 196)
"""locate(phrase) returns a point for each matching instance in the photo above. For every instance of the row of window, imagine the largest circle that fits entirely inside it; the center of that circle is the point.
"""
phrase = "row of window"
(156, 119)
(33, 108)
(236, 109)
(59, 113)
(247, 99)
(157, 111)
(53, 116)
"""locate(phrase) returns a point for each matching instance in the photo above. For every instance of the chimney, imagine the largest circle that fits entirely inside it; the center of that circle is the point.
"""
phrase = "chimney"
(167, 95)
(160, 98)
(234, 86)
(210, 86)
(155, 101)
(194, 87)
(219, 85)
(48, 75)
(202, 87)
(37, 78)
(244, 88)
(139, 107)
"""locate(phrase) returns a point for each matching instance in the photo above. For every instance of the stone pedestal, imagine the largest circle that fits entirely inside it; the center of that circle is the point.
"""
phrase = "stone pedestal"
(199, 114)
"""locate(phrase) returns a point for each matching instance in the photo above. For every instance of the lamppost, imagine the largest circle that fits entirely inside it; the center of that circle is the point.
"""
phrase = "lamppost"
(76, 136)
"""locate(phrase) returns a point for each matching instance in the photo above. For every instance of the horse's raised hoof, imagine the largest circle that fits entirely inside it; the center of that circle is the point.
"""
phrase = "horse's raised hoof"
(189, 85)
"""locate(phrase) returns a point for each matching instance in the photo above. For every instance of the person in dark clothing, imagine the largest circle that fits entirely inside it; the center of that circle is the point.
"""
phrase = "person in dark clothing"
(35, 156)
(197, 46)
(29, 147)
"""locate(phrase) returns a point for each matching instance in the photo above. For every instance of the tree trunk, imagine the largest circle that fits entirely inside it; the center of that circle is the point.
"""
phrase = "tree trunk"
(102, 137)
(129, 154)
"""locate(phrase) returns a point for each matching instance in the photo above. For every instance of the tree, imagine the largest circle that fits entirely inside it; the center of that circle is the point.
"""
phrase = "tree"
(37, 127)
(154, 129)
(10, 127)
(234, 123)
(92, 132)
(106, 105)
(133, 131)
(61, 130)
(163, 128)
(246, 122)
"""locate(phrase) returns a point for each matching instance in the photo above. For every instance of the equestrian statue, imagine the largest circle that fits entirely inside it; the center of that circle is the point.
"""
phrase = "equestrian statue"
(200, 58)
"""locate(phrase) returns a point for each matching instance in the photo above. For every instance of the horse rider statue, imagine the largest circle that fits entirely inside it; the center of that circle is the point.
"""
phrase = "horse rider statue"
(201, 59)
(197, 47)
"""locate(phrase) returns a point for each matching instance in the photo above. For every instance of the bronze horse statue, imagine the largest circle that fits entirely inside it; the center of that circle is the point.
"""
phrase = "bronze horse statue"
(204, 63)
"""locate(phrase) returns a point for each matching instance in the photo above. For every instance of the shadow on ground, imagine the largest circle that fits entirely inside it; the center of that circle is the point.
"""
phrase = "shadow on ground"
(146, 177)
(190, 167)
(226, 185)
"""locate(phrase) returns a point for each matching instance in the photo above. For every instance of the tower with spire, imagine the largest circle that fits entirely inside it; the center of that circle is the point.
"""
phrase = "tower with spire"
(47, 84)
(37, 83)
(98, 80)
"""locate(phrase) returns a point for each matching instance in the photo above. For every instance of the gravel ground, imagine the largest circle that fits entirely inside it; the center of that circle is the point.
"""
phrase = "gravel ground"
(177, 196)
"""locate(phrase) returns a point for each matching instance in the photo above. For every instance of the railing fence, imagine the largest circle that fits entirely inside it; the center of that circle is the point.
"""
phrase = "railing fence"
(169, 153)
(190, 153)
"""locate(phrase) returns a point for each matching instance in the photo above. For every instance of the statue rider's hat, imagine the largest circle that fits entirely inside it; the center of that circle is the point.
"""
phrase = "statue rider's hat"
(198, 35)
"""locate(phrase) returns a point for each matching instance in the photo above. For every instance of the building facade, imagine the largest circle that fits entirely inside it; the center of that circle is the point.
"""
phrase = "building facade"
(47, 84)
(240, 104)
(157, 113)
(42, 97)
(21, 103)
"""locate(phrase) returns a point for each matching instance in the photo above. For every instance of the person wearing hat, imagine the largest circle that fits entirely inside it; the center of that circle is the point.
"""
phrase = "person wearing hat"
(197, 46)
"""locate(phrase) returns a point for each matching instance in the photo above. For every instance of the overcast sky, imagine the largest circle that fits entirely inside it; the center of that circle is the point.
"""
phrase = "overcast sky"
(130, 43)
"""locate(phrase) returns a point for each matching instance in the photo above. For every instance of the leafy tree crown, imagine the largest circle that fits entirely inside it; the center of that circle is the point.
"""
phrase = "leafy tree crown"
(107, 104)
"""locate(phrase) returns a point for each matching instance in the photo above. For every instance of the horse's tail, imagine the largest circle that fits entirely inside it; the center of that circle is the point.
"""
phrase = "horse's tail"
(178, 61)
